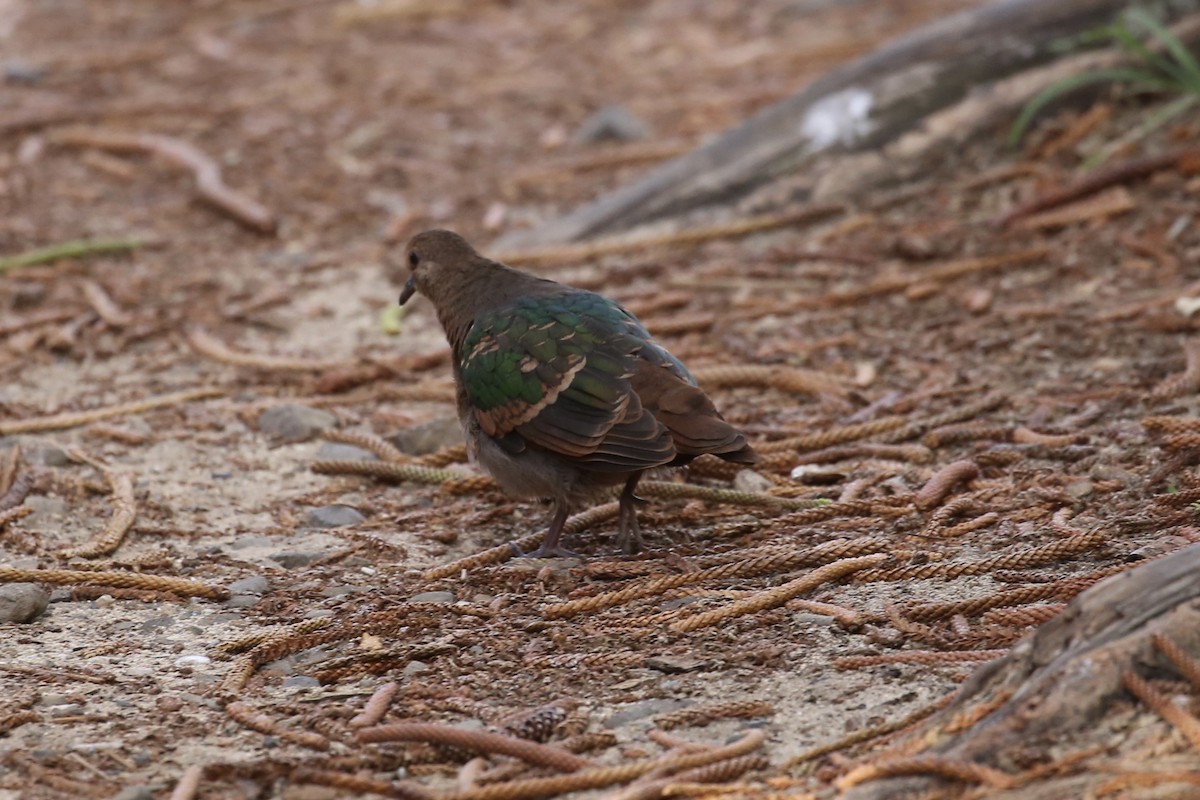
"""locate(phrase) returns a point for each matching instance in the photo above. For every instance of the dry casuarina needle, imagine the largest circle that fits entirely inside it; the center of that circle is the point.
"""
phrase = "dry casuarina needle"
(188, 784)
(1179, 719)
(57, 422)
(917, 657)
(13, 514)
(966, 432)
(769, 562)
(210, 346)
(788, 379)
(691, 236)
(1116, 200)
(209, 184)
(256, 720)
(1188, 381)
(1020, 559)
(367, 441)
(1122, 172)
(16, 719)
(773, 598)
(943, 482)
(124, 513)
(873, 732)
(710, 712)
(104, 306)
(124, 580)
(1186, 664)
(358, 784)
(942, 767)
(376, 707)
(484, 741)
(597, 778)
(693, 779)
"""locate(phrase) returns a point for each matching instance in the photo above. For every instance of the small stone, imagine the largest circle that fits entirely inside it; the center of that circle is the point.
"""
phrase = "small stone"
(255, 584)
(333, 516)
(135, 793)
(301, 681)
(247, 542)
(294, 423)
(747, 480)
(193, 660)
(813, 620)
(319, 613)
(23, 73)
(415, 667)
(613, 123)
(292, 559)
(44, 508)
(336, 451)
(339, 590)
(22, 602)
(44, 454)
(64, 710)
(643, 709)
(242, 601)
(673, 665)
(105, 601)
(430, 437)
(432, 597)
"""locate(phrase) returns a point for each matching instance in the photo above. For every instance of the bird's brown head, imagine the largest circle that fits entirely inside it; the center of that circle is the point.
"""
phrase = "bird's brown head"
(439, 262)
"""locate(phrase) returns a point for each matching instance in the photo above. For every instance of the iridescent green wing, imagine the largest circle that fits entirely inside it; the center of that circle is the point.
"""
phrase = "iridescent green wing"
(555, 371)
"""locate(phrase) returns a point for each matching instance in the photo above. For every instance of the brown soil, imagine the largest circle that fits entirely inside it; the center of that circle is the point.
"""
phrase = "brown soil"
(357, 124)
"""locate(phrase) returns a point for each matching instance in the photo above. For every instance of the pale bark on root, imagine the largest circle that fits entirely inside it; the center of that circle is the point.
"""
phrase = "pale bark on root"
(1065, 677)
(972, 69)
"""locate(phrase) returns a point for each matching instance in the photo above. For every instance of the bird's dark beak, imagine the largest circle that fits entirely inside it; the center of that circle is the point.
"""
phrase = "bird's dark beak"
(410, 288)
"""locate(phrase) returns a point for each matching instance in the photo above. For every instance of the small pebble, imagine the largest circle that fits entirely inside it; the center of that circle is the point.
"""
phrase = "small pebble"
(294, 423)
(336, 451)
(613, 123)
(105, 601)
(22, 602)
(193, 660)
(255, 584)
(430, 437)
(333, 516)
(135, 793)
(301, 681)
(432, 597)
(747, 480)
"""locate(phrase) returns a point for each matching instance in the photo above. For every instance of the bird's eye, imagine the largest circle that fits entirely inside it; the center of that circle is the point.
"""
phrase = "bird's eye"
(414, 259)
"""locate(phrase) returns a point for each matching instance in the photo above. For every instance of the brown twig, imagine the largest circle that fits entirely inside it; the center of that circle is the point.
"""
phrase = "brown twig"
(189, 783)
(125, 580)
(1122, 172)
(943, 482)
(210, 346)
(209, 184)
(376, 707)
(597, 778)
(483, 741)
(124, 512)
(1178, 718)
(256, 720)
(773, 598)
(74, 419)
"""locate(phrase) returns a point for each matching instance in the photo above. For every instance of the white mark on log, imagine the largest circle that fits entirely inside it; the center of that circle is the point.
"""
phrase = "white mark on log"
(842, 118)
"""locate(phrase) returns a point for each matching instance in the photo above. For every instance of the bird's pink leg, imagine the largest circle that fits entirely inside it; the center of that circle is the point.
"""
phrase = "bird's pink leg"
(629, 535)
(550, 547)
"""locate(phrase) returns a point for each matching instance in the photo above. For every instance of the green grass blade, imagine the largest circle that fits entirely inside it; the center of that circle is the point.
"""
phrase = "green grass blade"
(1068, 85)
(1170, 42)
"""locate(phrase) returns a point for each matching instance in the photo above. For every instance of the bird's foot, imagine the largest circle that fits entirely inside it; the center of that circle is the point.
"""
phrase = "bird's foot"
(555, 551)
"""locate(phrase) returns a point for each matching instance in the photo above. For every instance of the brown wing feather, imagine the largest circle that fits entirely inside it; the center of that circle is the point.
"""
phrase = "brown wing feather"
(693, 421)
